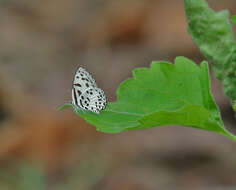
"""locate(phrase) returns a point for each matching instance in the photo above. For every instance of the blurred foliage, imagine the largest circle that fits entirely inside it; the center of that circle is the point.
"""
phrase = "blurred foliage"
(27, 177)
(22, 177)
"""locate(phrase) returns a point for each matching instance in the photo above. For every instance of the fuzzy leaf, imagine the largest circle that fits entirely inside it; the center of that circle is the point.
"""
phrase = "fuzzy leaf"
(212, 32)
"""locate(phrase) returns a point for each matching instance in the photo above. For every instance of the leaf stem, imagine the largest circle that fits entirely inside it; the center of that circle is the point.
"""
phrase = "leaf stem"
(229, 135)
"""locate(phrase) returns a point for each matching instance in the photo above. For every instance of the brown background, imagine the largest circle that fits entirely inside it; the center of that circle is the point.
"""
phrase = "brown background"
(41, 45)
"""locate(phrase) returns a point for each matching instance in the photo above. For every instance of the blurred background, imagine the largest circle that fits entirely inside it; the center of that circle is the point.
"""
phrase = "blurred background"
(41, 45)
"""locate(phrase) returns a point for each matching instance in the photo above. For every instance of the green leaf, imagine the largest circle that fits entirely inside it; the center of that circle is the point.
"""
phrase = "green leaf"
(213, 34)
(165, 94)
(234, 20)
(65, 106)
(234, 106)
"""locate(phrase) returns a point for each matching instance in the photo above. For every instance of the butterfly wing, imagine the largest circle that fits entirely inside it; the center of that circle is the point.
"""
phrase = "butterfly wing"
(93, 99)
(83, 76)
(82, 81)
(85, 93)
(75, 98)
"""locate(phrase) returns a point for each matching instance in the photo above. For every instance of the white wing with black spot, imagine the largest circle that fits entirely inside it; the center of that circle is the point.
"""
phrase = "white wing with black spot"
(85, 93)
(83, 76)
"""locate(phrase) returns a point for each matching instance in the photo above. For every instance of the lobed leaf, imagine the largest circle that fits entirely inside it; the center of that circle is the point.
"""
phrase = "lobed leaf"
(165, 94)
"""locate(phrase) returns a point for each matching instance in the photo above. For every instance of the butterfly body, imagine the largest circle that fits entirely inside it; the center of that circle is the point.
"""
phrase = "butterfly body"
(85, 93)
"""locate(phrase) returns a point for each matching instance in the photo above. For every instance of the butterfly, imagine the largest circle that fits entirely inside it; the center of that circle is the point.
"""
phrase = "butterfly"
(85, 93)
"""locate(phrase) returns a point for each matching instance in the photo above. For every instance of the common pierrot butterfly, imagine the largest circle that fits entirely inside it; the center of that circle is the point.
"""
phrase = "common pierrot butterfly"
(85, 93)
